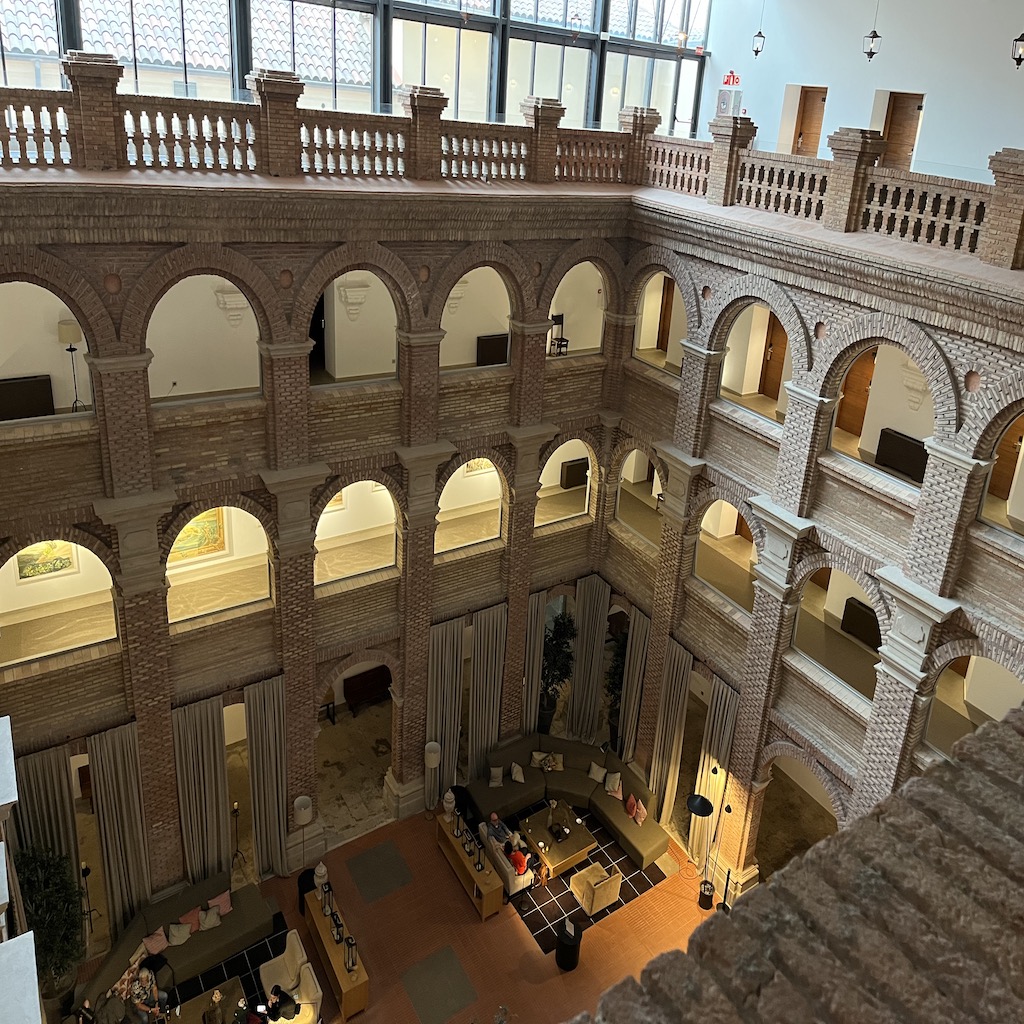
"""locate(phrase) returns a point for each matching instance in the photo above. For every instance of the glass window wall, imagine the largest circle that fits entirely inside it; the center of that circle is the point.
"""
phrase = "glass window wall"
(551, 70)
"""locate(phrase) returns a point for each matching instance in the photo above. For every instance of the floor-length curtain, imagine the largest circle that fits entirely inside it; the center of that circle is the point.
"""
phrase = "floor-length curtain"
(633, 682)
(444, 704)
(715, 748)
(117, 796)
(44, 815)
(15, 909)
(489, 628)
(533, 660)
(201, 771)
(268, 773)
(668, 736)
(592, 598)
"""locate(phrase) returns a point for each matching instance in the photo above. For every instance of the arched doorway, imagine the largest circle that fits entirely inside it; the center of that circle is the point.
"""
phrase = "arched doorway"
(469, 509)
(565, 484)
(475, 322)
(1003, 504)
(726, 554)
(757, 362)
(356, 533)
(661, 325)
(577, 311)
(636, 496)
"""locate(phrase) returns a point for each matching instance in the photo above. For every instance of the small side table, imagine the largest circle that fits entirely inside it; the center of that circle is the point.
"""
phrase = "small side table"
(567, 950)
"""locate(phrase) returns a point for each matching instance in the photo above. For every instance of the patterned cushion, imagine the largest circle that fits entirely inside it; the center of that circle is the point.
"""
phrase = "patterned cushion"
(157, 942)
(222, 901)
(191, 919)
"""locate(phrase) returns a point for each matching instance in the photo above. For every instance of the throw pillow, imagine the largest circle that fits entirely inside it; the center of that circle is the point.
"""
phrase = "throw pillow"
(548, 764)
(537, 759)
(123, 985)
(157, 942)
(597, 773)
(178, 934)
(517, 773)
(631, 805)
(495, 782)
(222, 902)
(138, 954)
(641, 813)
(559, 760)
(616, 792)
(191, 919)
(612, 782)
(209, 919)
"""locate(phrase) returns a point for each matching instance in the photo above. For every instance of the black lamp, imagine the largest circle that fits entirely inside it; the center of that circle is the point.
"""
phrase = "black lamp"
(1017, 50)
(872, 41)
(759, 37)
(702, 807)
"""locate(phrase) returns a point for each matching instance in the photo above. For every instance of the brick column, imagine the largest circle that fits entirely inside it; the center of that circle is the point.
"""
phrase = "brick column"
(286, 391)
(99, 138)
(424, 104)
(617, 345)
(950, 496)
(604, 506)
(419, 372)
(278, 142)
(517, 564)
(295, 619)
(771, 631)
(640, 123)
(543, 117)
(145, 642)
(528, 348)
(805, 436)
(120, 387)
(698, 385)
(673, 554)
(898, 710)
(1002, 237)
(732, 138)
(855, 151)
(403, 785)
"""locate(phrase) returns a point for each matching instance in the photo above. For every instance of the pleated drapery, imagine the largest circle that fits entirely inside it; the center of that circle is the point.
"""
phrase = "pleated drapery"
(444, 705)
(533, 660)
(633, 682)
(202, 776)
(117, 796)
(592, 598)
(668, 737)
(268, 773)
(44, 815)
(715, 748)
(489, 628)
(17, 907)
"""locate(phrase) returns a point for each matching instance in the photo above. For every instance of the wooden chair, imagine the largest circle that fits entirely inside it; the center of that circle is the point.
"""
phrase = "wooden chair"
(559, 344)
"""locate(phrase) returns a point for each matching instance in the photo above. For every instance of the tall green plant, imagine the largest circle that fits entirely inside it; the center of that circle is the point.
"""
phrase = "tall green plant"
(559, 656)
(615, 674)
(53, 910)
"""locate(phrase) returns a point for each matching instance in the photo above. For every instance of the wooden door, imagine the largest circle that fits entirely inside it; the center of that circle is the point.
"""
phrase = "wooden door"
(742, 530)
(809, 117)
(667, 288)
(902, 120)
(774, 358)
(856, 388)
(1006, 460)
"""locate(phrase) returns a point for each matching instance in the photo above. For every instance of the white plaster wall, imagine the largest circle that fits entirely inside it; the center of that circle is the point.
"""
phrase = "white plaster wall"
(550, 475)
(634, 467)
(16, 595)
(581, 297)
(787, 374)
(805, 779)
(741, 368)
(1015, 500)
(889, 401)
(483, 309)
(958, 57)
(29, 343)
(649, 317)
(720, 520)
(234, 724)
(365, 509)
(246, 540)
(359, 327)
(840, 587)
(991, 688)
(472, 489)
(195, 344)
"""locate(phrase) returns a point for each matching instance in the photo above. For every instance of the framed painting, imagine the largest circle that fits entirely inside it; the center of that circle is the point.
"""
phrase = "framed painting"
(47, 558)
(203, 536)
(474, 466)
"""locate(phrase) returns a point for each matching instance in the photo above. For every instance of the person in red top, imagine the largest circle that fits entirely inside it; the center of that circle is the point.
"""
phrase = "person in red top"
(519, 861)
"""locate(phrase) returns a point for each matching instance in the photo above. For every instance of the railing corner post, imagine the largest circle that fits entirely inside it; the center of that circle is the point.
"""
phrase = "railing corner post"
(279, 140)
(732, 137)
(97, 130)
(423, 105)
(543, 117)
(1002, 240)
(640, 123)
(855, 151)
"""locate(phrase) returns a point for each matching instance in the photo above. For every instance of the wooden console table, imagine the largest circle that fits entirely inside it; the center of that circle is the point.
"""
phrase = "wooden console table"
(352, 990)
(485, 887)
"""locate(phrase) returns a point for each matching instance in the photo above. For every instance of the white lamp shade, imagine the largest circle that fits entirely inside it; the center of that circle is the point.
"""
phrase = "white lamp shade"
(432, 755)
(68, 332)
(302, 810)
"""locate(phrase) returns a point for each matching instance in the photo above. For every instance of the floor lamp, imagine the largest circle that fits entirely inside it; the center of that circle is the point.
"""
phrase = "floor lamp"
(302, 812)
(702, 807)
(431, 761)
(69, 331)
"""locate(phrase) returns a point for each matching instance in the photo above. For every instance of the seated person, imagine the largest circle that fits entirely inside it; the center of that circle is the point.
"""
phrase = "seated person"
(280, 1005)
(149, 1001)
(498, 830)
(519, 861)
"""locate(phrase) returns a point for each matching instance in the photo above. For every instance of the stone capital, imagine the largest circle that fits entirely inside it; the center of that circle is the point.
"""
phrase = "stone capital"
(95, 67)
(541, 111)
(292, 488)
(119, 364)
(856, 146)
(610, 419)
(281, 84)
(529, 327)
(917, 612)
(620, 319)
(285, 350)
(782, 531)
(135, 518)
(691, 350)
(528, 442)
(419, 339)
(423, 98)
(738, 131)
(961, 460)
(420, 463)
(809, 398)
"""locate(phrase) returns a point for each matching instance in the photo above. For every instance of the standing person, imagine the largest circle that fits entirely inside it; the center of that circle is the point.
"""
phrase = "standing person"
(149, 1001)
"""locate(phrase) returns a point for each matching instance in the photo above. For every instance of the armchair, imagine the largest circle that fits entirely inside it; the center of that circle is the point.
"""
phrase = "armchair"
(595, 888)
(309, 996)
(284, 970)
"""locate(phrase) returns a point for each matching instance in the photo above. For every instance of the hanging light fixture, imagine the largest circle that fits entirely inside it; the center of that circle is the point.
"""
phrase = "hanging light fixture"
(1017, 50)
(759, 37)
(575, 26)
(872, 41)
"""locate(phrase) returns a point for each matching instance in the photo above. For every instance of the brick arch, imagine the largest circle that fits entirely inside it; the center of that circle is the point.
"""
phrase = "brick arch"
(511, 268)
(621, 600)
(657, 259)
(596, 469)
(32, 266)
(865, 332)
(623, 448)
(506, 473)
(368, 256)
(588, 250)
(54, 529)
(393, 663)
(190, 261)
(978, 647)
(203, 504)
(727, 305)
(561, 590)
(726, 491)
(829, 782)
(340, 482)
(807, 567)
(988, 413)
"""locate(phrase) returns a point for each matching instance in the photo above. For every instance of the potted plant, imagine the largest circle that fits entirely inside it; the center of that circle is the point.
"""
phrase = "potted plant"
(556, 666)
(53, 910)
(613, 685)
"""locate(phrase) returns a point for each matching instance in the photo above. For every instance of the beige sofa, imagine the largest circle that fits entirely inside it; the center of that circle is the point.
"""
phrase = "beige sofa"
(643, 843)
(496, 855)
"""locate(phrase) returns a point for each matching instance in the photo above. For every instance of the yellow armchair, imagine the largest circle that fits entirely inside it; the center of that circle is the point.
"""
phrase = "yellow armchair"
(595, 889)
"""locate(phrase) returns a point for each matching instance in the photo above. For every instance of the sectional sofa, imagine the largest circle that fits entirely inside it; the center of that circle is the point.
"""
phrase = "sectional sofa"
(643, 843)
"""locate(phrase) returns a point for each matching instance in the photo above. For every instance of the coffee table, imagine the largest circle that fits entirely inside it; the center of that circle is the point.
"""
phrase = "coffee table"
(558, 857)
(192, 1011)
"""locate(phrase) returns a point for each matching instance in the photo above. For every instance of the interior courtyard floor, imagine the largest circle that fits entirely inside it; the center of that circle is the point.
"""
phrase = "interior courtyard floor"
(340, 558)
(792, 821)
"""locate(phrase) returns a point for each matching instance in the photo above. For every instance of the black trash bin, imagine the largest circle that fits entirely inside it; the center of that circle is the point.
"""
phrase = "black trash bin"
(567, 951)
(306, 884)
